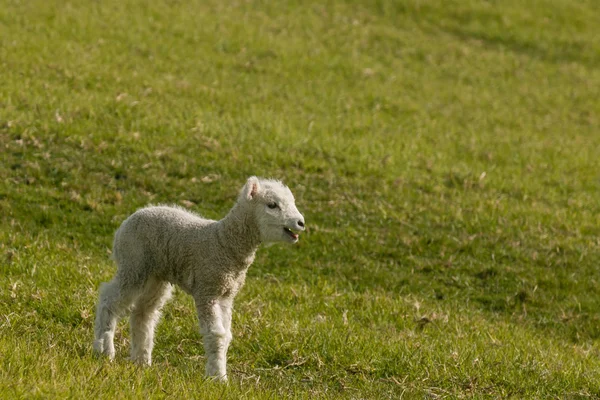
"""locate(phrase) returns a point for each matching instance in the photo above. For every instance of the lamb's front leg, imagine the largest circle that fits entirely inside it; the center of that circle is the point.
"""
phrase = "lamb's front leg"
(216, 337)
(226, 310)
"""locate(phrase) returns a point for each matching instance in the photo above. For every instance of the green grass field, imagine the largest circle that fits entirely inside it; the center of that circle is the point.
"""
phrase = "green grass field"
(445, 154)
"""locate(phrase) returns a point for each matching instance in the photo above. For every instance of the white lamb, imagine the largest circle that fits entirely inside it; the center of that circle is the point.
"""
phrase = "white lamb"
(159, 246)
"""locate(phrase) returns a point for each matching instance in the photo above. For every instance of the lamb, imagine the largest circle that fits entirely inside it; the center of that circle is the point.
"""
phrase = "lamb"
(160, 246)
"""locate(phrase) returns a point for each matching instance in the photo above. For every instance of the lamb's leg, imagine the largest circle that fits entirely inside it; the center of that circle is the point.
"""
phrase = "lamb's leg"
(226, 310)
(113, 300)
(215, 335)
(144, 317)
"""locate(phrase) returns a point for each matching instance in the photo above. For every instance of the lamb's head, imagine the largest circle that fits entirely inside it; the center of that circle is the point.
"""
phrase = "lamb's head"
(274, 209)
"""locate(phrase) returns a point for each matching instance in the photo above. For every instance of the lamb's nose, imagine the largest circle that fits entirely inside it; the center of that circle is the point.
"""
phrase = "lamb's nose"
(301, 224)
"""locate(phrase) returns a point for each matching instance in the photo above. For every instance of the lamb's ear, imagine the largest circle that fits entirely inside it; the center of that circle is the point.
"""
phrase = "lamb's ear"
(251, 188)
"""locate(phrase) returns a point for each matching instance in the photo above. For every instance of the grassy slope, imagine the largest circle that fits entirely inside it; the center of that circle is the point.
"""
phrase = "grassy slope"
(445, 154)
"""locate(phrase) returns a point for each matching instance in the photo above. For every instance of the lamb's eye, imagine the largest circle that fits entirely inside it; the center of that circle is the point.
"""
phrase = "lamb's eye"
(272, 205)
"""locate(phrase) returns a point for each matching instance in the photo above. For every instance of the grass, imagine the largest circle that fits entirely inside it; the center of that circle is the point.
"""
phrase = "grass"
(444, 154)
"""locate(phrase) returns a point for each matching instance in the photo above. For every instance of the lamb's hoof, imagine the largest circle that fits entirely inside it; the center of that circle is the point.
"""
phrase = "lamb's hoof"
(101, 350)
(142, 361)
(216, 376)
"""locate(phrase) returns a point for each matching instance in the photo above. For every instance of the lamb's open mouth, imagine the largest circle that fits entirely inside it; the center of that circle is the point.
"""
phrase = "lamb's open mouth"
(290, 233)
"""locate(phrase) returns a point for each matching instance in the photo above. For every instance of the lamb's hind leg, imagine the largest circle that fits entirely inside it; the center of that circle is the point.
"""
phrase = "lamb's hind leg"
(144, 317)
(216, 337)
(112, 302)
